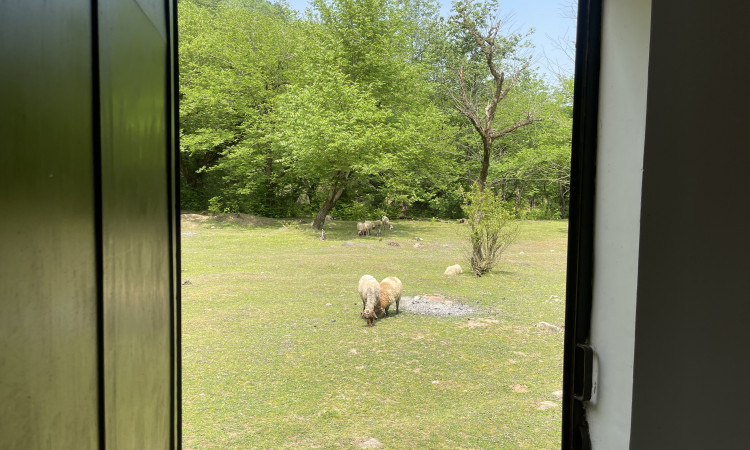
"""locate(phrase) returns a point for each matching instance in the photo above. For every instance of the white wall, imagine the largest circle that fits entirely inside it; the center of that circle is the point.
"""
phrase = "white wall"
(621, 134)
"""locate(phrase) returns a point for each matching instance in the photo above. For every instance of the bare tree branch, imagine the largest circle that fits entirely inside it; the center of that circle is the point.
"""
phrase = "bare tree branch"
(467, 105)
(516, 125)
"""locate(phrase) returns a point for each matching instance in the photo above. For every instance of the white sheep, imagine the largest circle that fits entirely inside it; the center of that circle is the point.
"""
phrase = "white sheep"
(365, 228)
(453, 270)
(390, 293)
(369, 291)
(379, 224)
(387, 221)
(362, 229)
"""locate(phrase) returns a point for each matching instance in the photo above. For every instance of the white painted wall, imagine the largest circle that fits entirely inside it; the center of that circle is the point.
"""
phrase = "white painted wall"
(621, 135)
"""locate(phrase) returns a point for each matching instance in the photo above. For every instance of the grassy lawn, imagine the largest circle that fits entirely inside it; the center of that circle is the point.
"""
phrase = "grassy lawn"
(275, 354)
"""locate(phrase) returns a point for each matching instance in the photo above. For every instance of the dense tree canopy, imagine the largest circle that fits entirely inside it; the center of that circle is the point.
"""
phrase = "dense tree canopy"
(356, 109)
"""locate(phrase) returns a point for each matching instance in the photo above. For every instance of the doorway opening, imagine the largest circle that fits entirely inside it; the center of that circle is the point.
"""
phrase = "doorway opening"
(299, 128)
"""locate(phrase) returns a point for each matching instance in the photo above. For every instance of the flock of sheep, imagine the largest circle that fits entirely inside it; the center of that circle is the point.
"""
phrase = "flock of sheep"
(365, 228)
(378, 297)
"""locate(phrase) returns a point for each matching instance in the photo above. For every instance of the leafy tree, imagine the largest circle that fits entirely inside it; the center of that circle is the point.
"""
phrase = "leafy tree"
(536, 166)
(363, 112)
(235, 57)
(330, 133)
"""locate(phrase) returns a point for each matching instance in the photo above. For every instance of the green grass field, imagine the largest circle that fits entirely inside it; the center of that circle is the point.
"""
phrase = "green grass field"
(275, 354)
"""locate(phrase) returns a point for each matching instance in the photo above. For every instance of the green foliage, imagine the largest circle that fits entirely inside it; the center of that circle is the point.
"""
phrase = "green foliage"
(331, 127)
(355, 211)
(351, 104)
(493, 229)
(535, 170)
(235, 57)
(363, 116)
(543, 212)
(449, 204)
(218, 205)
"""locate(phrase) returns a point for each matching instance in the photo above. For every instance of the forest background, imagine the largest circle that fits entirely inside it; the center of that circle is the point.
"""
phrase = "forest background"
(357, 109)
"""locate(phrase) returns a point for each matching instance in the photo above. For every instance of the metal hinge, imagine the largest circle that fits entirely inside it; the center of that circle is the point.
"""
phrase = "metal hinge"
(584, 373)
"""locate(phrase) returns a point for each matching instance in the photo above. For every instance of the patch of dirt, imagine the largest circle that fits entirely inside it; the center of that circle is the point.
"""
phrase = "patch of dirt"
(353, 244)
(543, 406)
(435, 305)
(371, 443)
(519, 263)
(479, 323)
(549, 328)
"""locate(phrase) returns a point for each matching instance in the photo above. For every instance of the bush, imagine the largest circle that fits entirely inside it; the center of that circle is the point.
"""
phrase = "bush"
(492, 229)
(352, 211)
(219, 205)
(191, 199)
(543, 212)
(447, 205)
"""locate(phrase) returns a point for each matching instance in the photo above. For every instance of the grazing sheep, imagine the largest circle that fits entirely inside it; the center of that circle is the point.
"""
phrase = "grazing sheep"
(365, 228)
(390, 293)
(453, 270)
(362, 229)
(379, 224)
(369, 291)
(376, 224)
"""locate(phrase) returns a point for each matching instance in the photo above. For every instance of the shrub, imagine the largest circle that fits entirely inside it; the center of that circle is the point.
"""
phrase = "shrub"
(492, 229)
(357, 211)
(543, 212)
(219, 205)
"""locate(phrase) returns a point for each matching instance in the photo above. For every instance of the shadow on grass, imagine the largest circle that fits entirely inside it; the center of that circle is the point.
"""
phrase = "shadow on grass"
(503, 272)
(230, 221)
(342, 231)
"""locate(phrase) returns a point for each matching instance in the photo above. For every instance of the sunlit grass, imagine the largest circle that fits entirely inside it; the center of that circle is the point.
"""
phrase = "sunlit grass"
(276, 355)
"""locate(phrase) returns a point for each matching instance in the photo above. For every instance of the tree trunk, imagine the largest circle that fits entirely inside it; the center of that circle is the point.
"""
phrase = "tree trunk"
(484, 172)
(563, 204)
(334, 193)
(268, 167)
(519, 196)
(404, 208)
